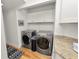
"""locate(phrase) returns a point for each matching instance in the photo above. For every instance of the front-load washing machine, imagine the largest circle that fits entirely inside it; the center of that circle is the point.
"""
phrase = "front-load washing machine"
(26, 38)
(45, 44)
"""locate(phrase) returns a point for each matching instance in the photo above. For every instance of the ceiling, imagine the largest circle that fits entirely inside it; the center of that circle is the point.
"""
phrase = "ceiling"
(10, 4)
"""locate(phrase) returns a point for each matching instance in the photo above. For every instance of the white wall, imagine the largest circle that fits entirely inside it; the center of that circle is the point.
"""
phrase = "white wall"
(21, 15)
(11, 4)
(13, 30)
(41, 14)
(3, 40)
(70, 30)
(10, 20)
(11, 27)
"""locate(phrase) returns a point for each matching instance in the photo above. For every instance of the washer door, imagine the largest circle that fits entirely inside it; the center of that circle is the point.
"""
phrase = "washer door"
(43, 43)
(25, 39)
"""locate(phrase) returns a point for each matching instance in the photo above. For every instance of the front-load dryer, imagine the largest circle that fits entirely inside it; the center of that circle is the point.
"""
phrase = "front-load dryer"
(45, 44)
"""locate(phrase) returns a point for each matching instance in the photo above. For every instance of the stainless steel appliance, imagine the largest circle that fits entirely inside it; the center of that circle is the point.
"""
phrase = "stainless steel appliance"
(45, 44)
(26, 38)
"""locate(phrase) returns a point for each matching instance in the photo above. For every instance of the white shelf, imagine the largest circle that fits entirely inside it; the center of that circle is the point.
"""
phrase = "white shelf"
(45, 31)
(69, 21)
(27, 6)
(40, 22)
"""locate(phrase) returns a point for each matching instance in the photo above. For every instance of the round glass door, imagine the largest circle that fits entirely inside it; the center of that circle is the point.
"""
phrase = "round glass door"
(25, 39)
(43, 43)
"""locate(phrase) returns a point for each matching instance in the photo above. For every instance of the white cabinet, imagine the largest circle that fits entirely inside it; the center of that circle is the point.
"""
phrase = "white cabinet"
(66, 22)
(69, 10)
(35, 3)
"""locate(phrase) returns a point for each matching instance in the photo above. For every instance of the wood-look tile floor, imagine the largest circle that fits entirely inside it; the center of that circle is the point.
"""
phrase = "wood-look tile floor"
(28, 54)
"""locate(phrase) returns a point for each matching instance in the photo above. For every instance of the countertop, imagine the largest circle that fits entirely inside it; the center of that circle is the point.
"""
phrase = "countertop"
(63, 47)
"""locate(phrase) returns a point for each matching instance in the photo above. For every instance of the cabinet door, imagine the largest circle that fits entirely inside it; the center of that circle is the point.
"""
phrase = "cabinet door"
(69, 10)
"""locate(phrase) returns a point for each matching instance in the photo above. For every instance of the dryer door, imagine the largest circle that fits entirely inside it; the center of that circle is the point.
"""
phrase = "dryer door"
(43, 43)
(25, 39)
